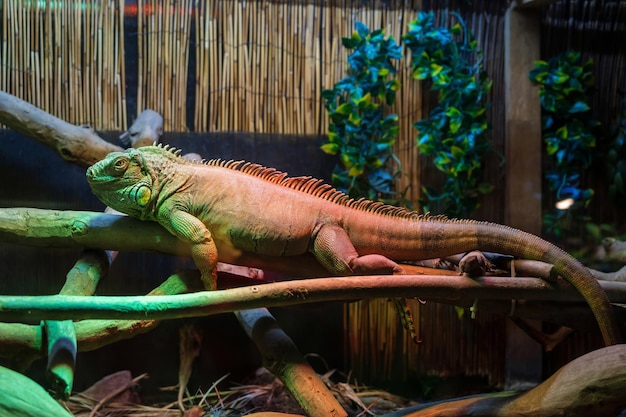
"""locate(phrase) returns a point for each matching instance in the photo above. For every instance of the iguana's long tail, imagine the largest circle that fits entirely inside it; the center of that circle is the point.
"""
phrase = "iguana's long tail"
(527, 245)
(438, 237)
(404, 236)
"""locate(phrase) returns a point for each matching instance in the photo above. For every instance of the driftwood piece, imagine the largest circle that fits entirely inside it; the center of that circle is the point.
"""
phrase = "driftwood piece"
(593, 384)
(283, 359)
(619, 275)
(145, 130)
(76, 144)
(548, 340)
(56, 228)
(612, 249)
(61, 356)
(190, 342)
(82, 279)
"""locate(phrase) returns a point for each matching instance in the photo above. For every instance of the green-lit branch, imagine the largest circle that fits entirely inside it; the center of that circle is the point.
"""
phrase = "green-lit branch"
(456, 288)
(23, 343)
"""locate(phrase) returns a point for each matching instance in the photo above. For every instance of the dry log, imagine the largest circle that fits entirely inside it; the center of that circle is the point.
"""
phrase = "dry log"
(77, 144)
(82, 279)
(592, 384)
(284, 360)
(619, 275)
(145, 130)
(55, 228)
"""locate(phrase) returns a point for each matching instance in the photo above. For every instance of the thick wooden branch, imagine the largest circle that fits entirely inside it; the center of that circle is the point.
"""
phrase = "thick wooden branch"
(592, 384)
(82, 279)
(454, 288)
(283, 359)
(54, 228)
(76, 144)
(63, 229)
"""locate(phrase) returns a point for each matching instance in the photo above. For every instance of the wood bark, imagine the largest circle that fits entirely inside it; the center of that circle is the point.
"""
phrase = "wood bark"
(453, 288)
(593, 384)
(79, 145)
(82, 279)
(283, 359)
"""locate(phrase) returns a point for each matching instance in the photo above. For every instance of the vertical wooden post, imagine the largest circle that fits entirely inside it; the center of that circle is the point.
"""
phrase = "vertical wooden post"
(523, 169)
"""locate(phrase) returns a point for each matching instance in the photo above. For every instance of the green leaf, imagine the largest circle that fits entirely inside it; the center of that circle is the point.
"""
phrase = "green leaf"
(351, 42)
(435, 69)
(330, 148)
(561, 132)
(364, 101)
(420, 73)
(395, 85)
(455, 124)
(579, 107)
(355, 118)
(452, 112)
(559, 77)
(552, 145)
(355, 171)
(344, 109)
(361, 29)
(457, 152)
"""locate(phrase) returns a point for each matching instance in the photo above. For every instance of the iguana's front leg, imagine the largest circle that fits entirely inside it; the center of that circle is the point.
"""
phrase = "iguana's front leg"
(190, 229)
(334, 250)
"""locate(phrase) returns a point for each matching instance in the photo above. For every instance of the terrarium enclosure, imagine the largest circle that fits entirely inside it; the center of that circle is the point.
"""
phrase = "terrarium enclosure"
(245, 80)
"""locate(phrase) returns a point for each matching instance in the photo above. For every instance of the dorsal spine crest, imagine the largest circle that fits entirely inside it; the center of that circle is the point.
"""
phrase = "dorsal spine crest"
(305, 184)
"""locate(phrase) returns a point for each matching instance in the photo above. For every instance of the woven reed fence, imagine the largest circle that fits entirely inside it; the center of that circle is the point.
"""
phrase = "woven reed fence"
(66, 58)
(259, 66)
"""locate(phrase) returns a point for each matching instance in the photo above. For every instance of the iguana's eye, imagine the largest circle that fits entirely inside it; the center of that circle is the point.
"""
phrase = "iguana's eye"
(120, 163)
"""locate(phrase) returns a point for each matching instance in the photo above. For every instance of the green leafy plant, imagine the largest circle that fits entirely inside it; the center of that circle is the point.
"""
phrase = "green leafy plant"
(361, 131)
(616, 157)
(567, 129)
(455, 131)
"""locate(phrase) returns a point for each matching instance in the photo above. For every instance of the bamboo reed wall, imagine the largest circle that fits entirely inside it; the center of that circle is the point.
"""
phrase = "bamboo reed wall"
(66, 58)
(164, 30)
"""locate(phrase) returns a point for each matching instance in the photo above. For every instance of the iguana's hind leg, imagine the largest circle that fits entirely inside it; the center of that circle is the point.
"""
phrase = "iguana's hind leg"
(334, 250)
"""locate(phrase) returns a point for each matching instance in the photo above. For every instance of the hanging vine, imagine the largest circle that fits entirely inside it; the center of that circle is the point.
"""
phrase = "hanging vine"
(361, 129)
(455, 132)
(568, 135)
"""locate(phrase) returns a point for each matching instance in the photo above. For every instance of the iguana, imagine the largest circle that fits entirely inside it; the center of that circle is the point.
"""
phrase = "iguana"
(237, 212)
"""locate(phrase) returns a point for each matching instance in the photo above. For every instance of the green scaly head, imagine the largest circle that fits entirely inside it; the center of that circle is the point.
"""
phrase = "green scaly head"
(123, 182)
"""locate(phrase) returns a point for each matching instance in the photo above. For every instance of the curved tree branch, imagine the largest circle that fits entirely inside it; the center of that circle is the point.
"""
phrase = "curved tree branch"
(453, 288)
(76, 144)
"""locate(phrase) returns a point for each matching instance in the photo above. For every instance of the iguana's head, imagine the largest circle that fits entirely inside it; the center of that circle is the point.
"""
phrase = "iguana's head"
(122, 181)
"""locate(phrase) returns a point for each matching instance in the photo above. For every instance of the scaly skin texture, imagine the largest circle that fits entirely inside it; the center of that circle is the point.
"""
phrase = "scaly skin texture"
(246, 214)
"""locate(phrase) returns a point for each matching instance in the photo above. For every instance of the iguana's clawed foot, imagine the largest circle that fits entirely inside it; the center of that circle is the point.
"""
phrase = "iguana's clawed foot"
(374, 264)
(475, 264)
